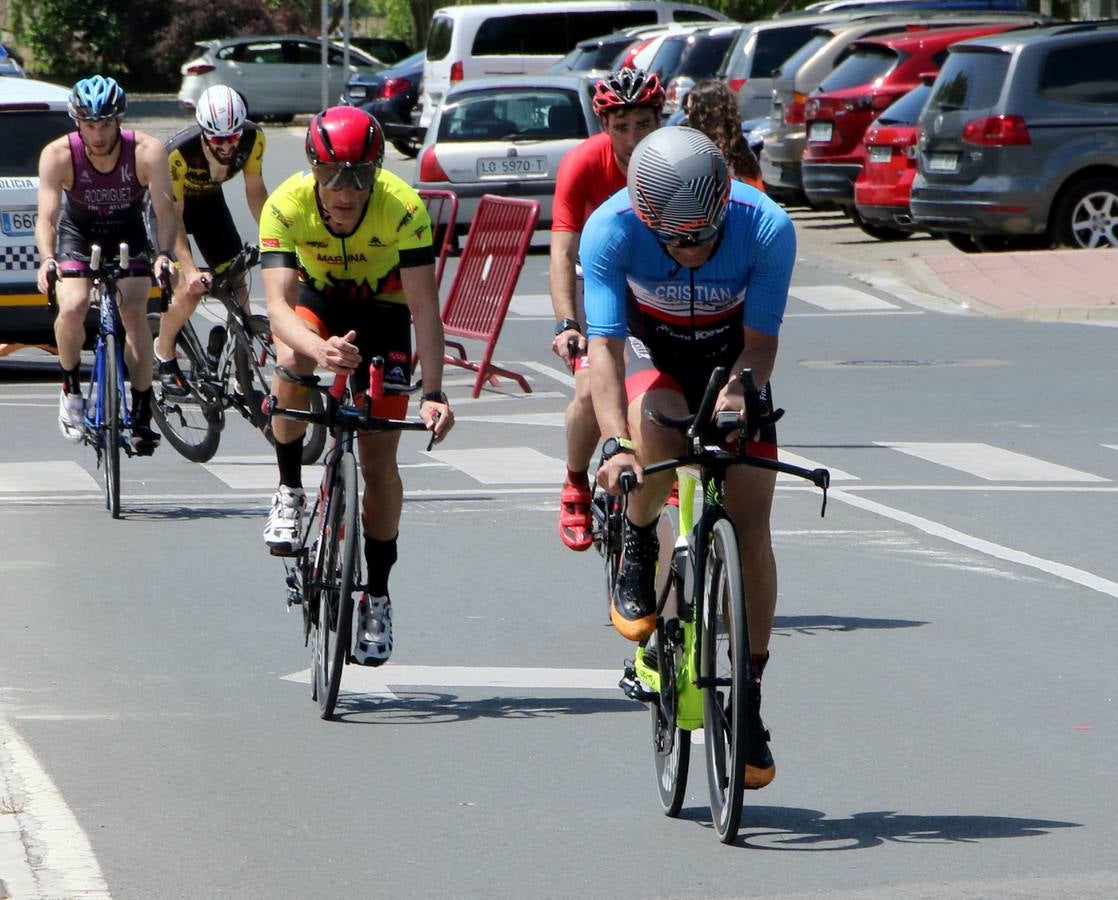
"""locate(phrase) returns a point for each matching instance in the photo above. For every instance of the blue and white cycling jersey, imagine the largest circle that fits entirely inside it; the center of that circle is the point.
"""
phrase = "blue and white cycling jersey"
(685, 316)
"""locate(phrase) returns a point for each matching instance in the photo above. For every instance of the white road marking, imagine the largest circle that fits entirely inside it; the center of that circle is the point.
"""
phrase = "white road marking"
(43, 850)
(532, 305)
(45, 475)
(243, 476)
(549, 420)
(378, 682)
(989, 462)
(504, 465)
(839, 298)
(560, 375)
(459, 402)
(797, 460)
(1018, 557)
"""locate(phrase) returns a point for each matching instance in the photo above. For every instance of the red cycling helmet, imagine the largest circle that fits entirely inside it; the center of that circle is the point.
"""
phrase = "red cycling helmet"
(345, 134)
(627, 89)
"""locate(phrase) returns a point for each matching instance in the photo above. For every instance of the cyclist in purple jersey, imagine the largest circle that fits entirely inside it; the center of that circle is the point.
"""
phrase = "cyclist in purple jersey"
(686, 273)
(93, 187)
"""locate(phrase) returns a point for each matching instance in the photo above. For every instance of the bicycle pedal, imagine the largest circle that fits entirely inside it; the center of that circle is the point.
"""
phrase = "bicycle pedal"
(632, 687)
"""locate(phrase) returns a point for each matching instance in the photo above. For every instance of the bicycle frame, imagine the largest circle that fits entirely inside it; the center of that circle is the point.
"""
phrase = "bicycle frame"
(105, 291)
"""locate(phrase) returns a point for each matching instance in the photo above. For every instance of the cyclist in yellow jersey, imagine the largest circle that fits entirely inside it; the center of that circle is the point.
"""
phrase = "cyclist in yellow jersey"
(202, 158)
(348, 264)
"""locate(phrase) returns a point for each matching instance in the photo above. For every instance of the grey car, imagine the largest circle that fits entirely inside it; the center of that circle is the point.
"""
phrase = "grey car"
(1019, 141)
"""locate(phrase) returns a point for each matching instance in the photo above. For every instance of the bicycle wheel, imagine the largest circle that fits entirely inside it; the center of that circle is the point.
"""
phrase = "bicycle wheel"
(724, 674)
(612, 547)
(192, 423)
(253, 356)
(110, 432)
(337, 581)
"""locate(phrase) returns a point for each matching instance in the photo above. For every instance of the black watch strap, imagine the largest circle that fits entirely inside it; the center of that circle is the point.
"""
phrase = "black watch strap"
(433, 397)
(567, 325)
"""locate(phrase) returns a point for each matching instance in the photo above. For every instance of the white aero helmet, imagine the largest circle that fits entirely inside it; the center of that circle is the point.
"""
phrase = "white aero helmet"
(679, 185)
(220, 111)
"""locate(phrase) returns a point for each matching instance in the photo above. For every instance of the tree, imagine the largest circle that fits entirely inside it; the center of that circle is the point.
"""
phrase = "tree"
(88, 43)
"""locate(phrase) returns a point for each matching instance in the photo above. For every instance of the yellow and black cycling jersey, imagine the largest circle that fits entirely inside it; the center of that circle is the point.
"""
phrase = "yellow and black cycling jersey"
(394, 232)
(194, 174)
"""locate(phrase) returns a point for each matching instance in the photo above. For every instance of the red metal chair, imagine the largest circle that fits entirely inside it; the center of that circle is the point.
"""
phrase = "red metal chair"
(484, 282)
(442, 206)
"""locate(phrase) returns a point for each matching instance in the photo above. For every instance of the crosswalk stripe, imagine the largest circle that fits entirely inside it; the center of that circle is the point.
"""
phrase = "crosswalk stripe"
(44, 475)
(797, 460)
(504, 465)
(989, 462)
(838, 297)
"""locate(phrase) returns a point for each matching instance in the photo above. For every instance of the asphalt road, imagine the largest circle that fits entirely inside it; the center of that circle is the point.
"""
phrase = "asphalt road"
(941, 695)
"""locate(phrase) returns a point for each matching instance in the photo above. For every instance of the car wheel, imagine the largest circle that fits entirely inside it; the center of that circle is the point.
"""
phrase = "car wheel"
(1086, 216)
(961, 241)
(1009, 243)
(410, 149)
(881, 232)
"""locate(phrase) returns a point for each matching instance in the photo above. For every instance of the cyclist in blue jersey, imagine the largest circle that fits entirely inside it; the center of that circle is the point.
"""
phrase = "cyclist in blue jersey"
(686, 271)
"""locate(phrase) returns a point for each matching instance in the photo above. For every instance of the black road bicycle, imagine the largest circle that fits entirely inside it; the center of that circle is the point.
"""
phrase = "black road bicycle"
(327, 572)
(699, 675)
(231, 371)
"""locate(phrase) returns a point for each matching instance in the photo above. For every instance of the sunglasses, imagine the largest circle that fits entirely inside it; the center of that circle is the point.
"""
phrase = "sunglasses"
(692, 239)
(337, 175)
(220, 140)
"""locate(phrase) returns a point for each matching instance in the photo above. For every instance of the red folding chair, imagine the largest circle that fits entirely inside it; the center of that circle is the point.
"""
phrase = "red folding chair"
(442, 207)
(484, 282)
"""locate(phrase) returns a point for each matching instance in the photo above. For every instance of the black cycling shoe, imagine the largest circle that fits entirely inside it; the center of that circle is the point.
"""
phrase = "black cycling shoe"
(760, 769)
(144, 440)
(633, 612)
(171, 378)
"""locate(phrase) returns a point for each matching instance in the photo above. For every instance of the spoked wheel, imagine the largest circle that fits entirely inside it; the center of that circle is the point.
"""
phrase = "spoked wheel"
(724, 674)
(192, 423)
(671, 745)
(336, 583)
(254, 356)
(110, 406)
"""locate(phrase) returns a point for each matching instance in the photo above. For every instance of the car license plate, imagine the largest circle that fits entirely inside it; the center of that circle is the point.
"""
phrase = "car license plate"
(943, 162)
(820, 131)
(18, 223)
(357, 90)
(881, 154)
(490, 166)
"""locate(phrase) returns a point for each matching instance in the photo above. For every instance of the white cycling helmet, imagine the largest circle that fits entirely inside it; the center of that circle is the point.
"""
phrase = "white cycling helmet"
(220, 111)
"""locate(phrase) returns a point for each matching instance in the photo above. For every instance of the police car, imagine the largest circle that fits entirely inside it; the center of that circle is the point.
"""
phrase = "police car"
(32, 114)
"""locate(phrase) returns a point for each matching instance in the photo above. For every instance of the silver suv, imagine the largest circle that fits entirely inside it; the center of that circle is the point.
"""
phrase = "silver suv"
(1019, 141)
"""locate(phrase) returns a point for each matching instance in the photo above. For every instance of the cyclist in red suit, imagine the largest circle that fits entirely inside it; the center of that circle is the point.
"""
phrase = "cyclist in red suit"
(628, 104)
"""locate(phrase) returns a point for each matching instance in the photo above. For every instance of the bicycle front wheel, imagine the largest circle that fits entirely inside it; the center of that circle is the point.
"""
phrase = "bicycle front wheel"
(110, 432)
(724, 674)
(671, 745)
(192, 423)
(336, 584)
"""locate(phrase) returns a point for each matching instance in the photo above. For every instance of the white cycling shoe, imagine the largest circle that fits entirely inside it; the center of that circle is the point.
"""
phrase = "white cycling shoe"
(372, 645)
(71, 410)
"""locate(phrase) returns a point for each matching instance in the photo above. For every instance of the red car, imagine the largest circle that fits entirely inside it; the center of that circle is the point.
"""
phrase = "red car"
(877, 72)
(882, 189)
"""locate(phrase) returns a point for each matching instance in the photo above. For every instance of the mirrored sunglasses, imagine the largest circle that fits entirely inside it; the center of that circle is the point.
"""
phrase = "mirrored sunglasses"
(220, 140)
(696, 238)
(337, 175)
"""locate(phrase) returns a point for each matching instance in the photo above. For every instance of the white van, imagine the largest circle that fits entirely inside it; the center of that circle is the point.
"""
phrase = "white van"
(517, 38)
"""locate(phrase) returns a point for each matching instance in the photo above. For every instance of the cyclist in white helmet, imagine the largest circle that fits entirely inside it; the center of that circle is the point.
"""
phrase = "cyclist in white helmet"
(203, 157)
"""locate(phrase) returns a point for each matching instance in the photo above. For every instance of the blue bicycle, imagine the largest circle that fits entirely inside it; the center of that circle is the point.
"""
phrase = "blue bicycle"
(107, 418)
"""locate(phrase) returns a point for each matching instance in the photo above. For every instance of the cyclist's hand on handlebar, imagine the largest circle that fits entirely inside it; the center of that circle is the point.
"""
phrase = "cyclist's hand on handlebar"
(165, 271)
(567, 341)
(339, 354)
(438, 417)
(731, 399)
(47, 266)
(198, 282)
(610, 472)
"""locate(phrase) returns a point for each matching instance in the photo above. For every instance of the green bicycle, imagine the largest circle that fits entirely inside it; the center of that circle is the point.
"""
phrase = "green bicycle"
(697, 673)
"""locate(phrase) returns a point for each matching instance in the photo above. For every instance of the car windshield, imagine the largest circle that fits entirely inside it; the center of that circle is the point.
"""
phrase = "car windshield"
(704, 55)
(864, 66)
(906, 111)
(599, 55)
(28, 131)
(667, 58)
(508, 114)
(970, 80)
(792, 64)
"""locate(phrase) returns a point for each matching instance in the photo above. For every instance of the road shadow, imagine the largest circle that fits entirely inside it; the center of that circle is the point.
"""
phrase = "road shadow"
(188, 513)
(820, 624)
(809, 830)
(428, 707)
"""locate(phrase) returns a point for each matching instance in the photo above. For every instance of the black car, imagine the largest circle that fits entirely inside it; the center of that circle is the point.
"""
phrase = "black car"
(392, 95)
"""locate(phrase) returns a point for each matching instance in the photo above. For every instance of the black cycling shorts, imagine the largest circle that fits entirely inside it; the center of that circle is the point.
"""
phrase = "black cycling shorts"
(73, 248)
(209, 222)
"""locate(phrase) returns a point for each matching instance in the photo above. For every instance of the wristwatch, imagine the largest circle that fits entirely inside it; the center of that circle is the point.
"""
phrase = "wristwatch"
(615, 445)
(170, 254)
(567, 325)
(433, 397)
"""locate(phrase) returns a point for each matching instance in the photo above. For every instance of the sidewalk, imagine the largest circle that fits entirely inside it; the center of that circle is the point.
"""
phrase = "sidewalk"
(1048, 285)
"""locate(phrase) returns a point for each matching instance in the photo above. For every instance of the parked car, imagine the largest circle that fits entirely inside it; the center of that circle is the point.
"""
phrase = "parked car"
(32, 114)
(392, 95)
(877, 72)
(802, 72)
(704, 55)
(387, 50)
(278, 76)
(505, 136)
(882, 190)
(594, 56)
(1019, 141)
(10, 63)
(904, 5)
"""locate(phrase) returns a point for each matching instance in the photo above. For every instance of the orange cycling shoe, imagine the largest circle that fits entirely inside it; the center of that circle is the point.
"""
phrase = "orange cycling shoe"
(574, 516)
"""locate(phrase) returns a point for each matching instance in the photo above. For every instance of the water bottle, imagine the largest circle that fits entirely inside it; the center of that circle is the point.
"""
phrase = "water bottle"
(214, 345)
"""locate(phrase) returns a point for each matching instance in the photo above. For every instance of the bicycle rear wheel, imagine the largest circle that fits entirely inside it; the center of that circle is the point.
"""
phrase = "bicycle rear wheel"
(253, 355)
(337, 581)
(671, 745)
(724, 674)
(192, 423)
(110, 432)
